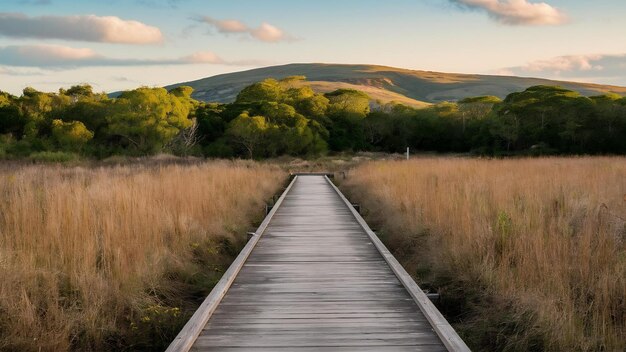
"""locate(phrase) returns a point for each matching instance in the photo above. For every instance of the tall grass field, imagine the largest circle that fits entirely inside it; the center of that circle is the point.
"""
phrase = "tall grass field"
(114, 258)
(528, 254)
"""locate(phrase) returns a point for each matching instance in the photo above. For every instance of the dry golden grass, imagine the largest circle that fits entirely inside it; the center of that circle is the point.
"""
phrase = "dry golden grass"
(545, 235)
(84, 252)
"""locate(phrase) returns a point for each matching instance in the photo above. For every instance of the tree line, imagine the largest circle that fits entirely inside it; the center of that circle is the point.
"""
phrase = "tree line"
(286, 117)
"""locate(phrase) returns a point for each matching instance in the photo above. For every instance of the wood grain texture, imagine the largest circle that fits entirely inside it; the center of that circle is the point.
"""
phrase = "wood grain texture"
(316, 281)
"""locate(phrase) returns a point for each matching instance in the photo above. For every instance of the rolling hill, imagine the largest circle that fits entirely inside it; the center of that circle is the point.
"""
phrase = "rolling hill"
(385, 84)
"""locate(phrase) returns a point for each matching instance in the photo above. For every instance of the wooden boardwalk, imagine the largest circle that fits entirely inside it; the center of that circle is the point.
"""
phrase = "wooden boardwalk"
(316, 280)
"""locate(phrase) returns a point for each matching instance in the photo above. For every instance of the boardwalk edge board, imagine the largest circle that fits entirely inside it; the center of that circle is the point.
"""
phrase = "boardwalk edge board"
(190, 332)
(451, 340)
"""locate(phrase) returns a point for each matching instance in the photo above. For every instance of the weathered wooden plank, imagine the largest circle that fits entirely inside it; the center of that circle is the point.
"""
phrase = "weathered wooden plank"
(314, 326)
(315, 309)
(311, 340)
(409, 348)
(313, 315)
(369, 305)
(314, 341)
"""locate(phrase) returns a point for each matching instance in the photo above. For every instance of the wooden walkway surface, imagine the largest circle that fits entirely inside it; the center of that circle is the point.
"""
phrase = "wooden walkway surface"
(317, 281)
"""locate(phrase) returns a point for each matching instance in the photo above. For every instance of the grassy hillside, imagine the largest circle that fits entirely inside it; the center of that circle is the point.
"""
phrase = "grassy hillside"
(410, 87)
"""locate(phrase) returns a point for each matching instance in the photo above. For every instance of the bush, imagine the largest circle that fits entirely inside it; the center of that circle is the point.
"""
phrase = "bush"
(54, 157)
(154, 327)
(218, 149)
(5, 141)
(541, 149)
(71, 135)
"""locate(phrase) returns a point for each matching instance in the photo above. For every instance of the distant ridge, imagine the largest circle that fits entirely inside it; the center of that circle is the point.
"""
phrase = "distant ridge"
(412, 87)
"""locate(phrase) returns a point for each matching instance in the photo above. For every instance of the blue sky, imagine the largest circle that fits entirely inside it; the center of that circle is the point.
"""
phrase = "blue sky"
(119, 44)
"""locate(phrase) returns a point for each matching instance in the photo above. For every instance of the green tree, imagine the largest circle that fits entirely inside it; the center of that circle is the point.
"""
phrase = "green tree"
(348, 102)
(292, 80)
(248, 131)
(266, 90)
(148, 118)
(6, 99)
(278, 113)
(11, 120)
(347, 108)
(211, 124)
(182, 92)
(607, 128)
(78, 92)
(377, 125)
(35, 106)
(294, 95)
(506, 127)
(543, 115)
(71, 135)
(314, 107)
(476, 108)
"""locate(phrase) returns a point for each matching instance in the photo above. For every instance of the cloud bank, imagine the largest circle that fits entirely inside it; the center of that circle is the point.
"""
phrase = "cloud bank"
(265, 32)
(89, 28)
(203, 57)
(566, 64)
(517, 12)
(63, 57)
(595, 67)
(44, 55)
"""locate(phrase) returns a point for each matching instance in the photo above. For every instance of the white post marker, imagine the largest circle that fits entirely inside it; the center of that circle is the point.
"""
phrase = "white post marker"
(407, 153)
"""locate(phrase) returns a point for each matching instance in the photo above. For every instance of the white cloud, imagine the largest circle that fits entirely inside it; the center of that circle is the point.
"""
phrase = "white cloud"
(268, 33)
(265, 32)
(591, 68)
(59, 57)
(90, 28)
(44, 55)
(565, 64)
(17, 71)
(203, 57)
(227, 26)
(517, 12)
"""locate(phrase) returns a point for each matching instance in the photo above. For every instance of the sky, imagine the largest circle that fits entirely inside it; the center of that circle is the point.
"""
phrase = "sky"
(123, 44)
